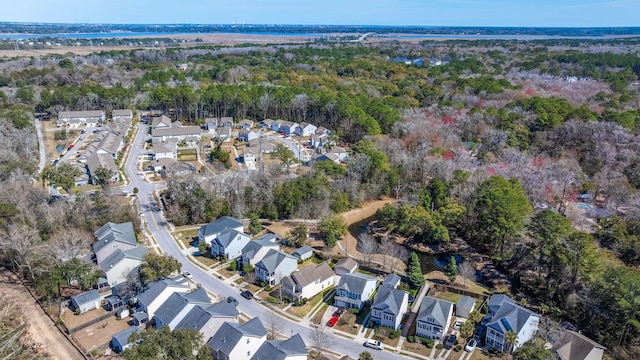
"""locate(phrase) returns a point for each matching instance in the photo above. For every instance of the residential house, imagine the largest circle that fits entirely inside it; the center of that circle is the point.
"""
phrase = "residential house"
(261, 146)
(229, 243)
(328, 157)
(111, 144)
(178, 133)
(237, 341)
(121, 126)
(245, 124)
(158, 292)
(507, 316)
(211, 230)
(96, 161)
(345, 266)
(117, 266)
(247, 135)
(168, 150)
(389, 304)
(354, 290)
(74, 123)
(120, 341)
(340, 152)
(111, 236)
(82, 116)
(86, 301)
(305, 129)
(207, 320)
(178, 305)
(140, 318)
(162, 122)
(211, 124)
(248, 155)
(274, 266)
(308, 282)
(224, 134)
(434, 318)
(255, 250)
(575, 346)
(323, 130)
(226, 122)
(92, 122)
(317, 140)
(288, 127)
(303, 253)
(293, 348)
(465, 306)
(265, 124)
(124, 114)
(275, 125)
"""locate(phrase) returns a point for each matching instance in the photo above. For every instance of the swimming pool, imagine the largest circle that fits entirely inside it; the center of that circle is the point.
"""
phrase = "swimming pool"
(583, 206)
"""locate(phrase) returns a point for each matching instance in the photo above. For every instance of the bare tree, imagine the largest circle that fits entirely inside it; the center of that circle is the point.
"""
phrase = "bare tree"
(274, 323)
(322, 337)
(398, 254)
(68, 243)
(367, 245)
(466, 270)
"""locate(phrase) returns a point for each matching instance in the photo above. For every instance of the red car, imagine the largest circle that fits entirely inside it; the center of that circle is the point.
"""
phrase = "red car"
(332, 322)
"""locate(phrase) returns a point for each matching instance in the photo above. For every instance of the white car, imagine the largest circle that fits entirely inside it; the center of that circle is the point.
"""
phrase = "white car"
(374, 344)
(187, 275)
(471, 345)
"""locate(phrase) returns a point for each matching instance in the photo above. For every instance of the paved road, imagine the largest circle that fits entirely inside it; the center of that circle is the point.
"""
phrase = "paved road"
(293, 145)
(157, 226)
(41, 146)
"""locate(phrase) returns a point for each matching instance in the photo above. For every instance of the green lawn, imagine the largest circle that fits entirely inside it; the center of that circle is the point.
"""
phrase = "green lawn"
(301, 311)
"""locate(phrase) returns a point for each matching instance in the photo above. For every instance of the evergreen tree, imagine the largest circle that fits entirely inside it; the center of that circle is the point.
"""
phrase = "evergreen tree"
(414, 271)
(451, 270)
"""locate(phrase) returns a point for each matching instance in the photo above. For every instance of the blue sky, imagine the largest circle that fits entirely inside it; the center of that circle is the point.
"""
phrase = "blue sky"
(569, 13)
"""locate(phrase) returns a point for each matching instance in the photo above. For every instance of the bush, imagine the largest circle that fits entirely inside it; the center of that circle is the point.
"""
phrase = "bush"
(411, 339)
(272, 300)
(304, 301)
(354, 311)
(439, 346)
(457, 348)
(262, 284)
(268, 288)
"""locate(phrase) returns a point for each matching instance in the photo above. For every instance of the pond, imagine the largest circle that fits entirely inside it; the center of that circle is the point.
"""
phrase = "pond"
(60, 147)
(431, 262)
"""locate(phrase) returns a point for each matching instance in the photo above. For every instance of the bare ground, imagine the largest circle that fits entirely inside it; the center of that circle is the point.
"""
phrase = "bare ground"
(40, 327)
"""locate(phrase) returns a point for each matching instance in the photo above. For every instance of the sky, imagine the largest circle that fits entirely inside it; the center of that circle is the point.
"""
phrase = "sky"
(516, 13)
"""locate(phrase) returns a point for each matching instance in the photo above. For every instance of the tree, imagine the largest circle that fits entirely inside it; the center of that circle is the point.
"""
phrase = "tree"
(254, 224)
(533, 350)
(510, 339)
(467, 271)
(184, 344)
(451, 270)
(202, 247)
(155, 267)
(298, 235)
(135, 191)
(467, 328)
(414, 271)
(102, 176)
(365, 355)
(63, 175)
(322, 337)
(548, 229)
(284, 154)
(332, 227)
(367, 245)
(274, 323)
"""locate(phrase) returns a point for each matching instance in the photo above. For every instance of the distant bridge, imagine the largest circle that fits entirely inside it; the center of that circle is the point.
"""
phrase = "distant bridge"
(364, 36)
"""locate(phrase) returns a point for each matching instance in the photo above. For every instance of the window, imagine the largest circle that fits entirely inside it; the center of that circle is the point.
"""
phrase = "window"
(248, 353)
(248, 340)
(114, 245)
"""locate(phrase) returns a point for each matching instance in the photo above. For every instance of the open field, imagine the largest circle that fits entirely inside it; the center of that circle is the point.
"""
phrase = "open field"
(100, 333)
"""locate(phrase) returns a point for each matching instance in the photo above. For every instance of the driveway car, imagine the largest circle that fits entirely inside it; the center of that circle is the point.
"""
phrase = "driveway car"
(450, 341)
(471, 345)
(333, 321)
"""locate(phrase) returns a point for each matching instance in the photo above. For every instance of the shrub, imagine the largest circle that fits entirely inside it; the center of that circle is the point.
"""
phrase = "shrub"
(439, 346)
(262, 284)
(268, 288)
(457, 348)
(304, 301)
(354, 310)
(272, 300)
(411, 339)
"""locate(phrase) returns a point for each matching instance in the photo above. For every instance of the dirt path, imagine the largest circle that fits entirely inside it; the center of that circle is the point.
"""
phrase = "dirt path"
(40, 327)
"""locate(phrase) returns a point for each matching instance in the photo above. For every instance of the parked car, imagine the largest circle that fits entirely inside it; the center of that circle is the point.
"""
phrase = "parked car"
(247, 294)
(231, 299)
(457, 324)
(187, 275)
(339, 311)
(374, 344)
(333, 321)
(450, 341)
(471, 345)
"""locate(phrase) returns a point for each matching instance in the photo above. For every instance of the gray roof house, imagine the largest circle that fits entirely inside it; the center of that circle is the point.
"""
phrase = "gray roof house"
(210, 231)
(247, 135)
(305, 129)
(293, 348)
(229, 243)
(120, 341)
(308, 282)
(96, 161)
(139, 318)
(389, 304)
(161, 122)
(237, 341)
(434, 318)
(255, 250)
(346, 265)
(575, 346)
(111, 144)
(111, 236)
(303, 253)
(207, 320)
(465, 306)
(507, 316)
(122, 114)
(117, 266)
(178, 305)
(274, 266)
(245, 124)
(354, 289)
(86, 301)
(392, 280)
(159, 291)
(83, 116)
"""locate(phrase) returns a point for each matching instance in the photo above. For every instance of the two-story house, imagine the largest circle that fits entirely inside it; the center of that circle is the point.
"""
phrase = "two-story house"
(178, 305)
(211, 230)
(575, 346)
(237, 341)
(117, 266)
(158, 292)
(434, 318)
(305, 129)
(255, 250)
(293, 348)
(308, 282)
(229, 243)
(507, 316)
(389, 304)
(207, 320)
(110, 237)
(275, 266)
(353, 290)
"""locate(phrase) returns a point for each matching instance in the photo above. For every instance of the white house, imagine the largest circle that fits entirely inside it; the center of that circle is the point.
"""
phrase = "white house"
(166, 150)
(305, 129)
(288, 127)
(303, 253)
(229, 243)
(308, 282)
(293, 348)
(125, 114)
(82, 116)
(226, 121)
(506, 316)
(354, 289)
(248, 155)
(265, 124)
(111, 144)
(111, 237)
(120, 341)
(158, 292)
(247, 135)
(211, 230)
(317, 140)
(86, 301)
(117, 266)
(224, 134)
(575, 346)
(255, 250)
(245, 124)
(274, 266)
(96, 161)
(389, 304)
(340, 152)
(179, 133)
(178, 305)
(208, 319)
(162, 122)
(238, 341)
(434, 318)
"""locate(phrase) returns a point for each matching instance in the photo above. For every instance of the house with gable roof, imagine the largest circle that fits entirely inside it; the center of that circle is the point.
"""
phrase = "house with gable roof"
(210, 231)
(255, 250)
(389, 304)
(303, 253)
(354, 289)
(245, 124)
(265, 124)
(86, 301)
(111, 236)
(288, 127)
(117, 266)
(122, 114)
(434, 318)
(293, 348)
(575, 346)
(308, 282)
(178, 305)
(305, 129)
(208, 320)
(120, 341)
(346, 266)
(274, 266)
(159, 291)
(237, 341)
(229, 243)
(247, 135)
(507, 316)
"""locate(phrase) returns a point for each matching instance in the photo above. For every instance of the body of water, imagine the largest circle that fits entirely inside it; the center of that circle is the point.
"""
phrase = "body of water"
(59, 148)
(430, 262)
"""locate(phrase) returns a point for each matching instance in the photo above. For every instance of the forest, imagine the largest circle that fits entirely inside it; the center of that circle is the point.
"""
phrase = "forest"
(497, 146)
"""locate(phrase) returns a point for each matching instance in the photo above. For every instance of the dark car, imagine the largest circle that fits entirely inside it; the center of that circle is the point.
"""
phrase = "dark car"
(339, 311)
(450, 341)
(231, 299)
(247, 295)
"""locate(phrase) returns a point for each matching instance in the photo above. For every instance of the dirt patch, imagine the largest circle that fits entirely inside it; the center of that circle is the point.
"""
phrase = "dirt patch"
(72, 320)
(99, 334)
(40, 327)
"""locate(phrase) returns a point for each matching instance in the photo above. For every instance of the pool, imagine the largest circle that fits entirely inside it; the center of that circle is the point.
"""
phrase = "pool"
(583, 206)
(59, 148)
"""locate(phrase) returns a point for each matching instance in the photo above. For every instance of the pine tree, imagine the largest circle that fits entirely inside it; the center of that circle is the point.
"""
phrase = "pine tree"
(451, 270)
(414, 271)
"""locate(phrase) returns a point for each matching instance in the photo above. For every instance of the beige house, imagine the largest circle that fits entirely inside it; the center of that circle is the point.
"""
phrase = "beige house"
(308, 282)
(575, 346)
